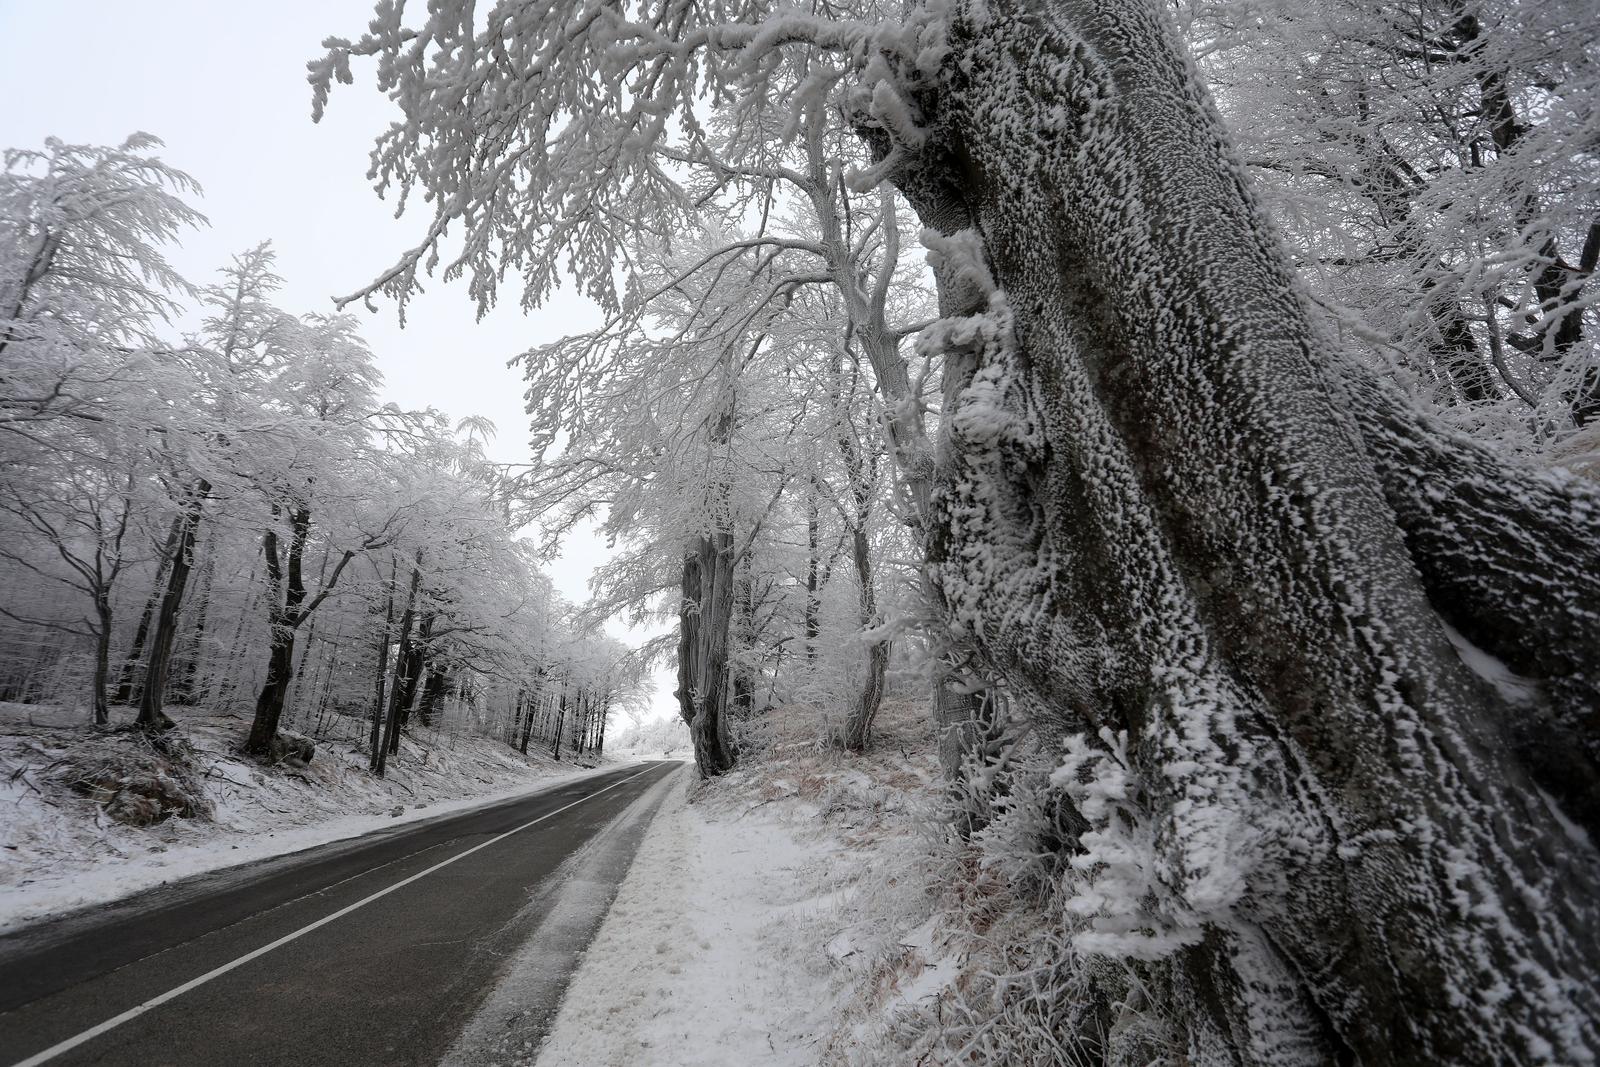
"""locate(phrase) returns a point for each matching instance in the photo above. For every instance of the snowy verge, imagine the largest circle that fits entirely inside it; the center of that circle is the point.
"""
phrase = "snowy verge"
(769, 913)
(59, 851)
(570, 905)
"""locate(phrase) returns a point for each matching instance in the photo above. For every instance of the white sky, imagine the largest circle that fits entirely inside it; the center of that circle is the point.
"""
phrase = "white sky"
(223, 84)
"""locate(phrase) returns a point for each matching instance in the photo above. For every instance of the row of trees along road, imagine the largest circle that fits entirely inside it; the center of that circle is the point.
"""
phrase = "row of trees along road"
(1219, 459)
(233, 517)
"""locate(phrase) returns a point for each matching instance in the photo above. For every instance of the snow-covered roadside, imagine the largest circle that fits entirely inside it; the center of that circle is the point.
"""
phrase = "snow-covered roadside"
(571, 904)
(780, 915)
(59, 851)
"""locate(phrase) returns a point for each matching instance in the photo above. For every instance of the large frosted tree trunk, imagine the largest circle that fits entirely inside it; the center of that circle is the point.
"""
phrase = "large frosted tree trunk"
(1163, 508)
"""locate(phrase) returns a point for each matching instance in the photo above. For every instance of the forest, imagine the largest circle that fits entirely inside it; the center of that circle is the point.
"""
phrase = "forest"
(230, 515)
(1191, 406)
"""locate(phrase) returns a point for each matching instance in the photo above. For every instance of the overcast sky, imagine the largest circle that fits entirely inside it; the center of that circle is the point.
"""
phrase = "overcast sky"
(223, 84)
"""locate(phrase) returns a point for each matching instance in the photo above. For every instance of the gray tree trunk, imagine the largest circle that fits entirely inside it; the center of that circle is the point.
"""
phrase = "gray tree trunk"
(102, 657)
(130, 664)
(380, 674)
(814, 575)
(561, 718)
(182, 688)
(153, 695)
(1162, 510)
(955, 704)
(705, 619)
(287, 591)
(390, 744)
(857, 732)
(704, 622)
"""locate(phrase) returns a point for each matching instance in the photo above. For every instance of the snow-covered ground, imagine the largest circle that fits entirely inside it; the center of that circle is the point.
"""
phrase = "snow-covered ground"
(59, 850)
(782, 915)
(665, 738)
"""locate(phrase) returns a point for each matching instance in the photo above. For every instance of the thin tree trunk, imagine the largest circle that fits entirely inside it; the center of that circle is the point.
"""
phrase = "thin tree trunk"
(857, 733)
(741, 702)
(141, 634)
(283, 618)
(813, 608)
(561, 716)
(286, 579)
(154, 695)
(183, 685)
(432, 689)
(269, 704)
(102, 657)
(380, 675)
(527, 723)
(955, 699)
(410, 678)
(391, 727)
(519, 709)
(600, 735)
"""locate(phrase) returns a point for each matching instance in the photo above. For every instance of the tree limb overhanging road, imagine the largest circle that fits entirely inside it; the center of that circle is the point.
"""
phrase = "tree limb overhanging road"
(376, 950)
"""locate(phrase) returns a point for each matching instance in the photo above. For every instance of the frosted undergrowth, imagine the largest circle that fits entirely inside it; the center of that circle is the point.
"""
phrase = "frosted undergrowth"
(1115, 867)
(1035, 942)
(1011, 946)
(813, 906)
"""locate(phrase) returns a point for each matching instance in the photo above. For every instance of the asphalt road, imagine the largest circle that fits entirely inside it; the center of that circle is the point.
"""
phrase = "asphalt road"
(372, 951)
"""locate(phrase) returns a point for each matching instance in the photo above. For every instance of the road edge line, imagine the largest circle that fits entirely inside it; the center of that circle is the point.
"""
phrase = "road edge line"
(194, 983)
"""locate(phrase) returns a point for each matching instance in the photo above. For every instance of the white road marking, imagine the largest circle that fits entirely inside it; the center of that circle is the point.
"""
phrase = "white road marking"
(194, 983)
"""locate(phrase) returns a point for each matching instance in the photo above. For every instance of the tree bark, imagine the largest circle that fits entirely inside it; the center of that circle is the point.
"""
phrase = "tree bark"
(391, 728)
(1158, 512)
(153, 696)
(282, 619)
(813, 605)
(600, 733)
(182, 688)
(141, 634)
(286, 587)
(561, 718)
(411, 673)
(432, 691)
(102, 657)
(530, 704)
(704, 621)
(705, 617)
(380, 675)
(857, 733)
(288, 609)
